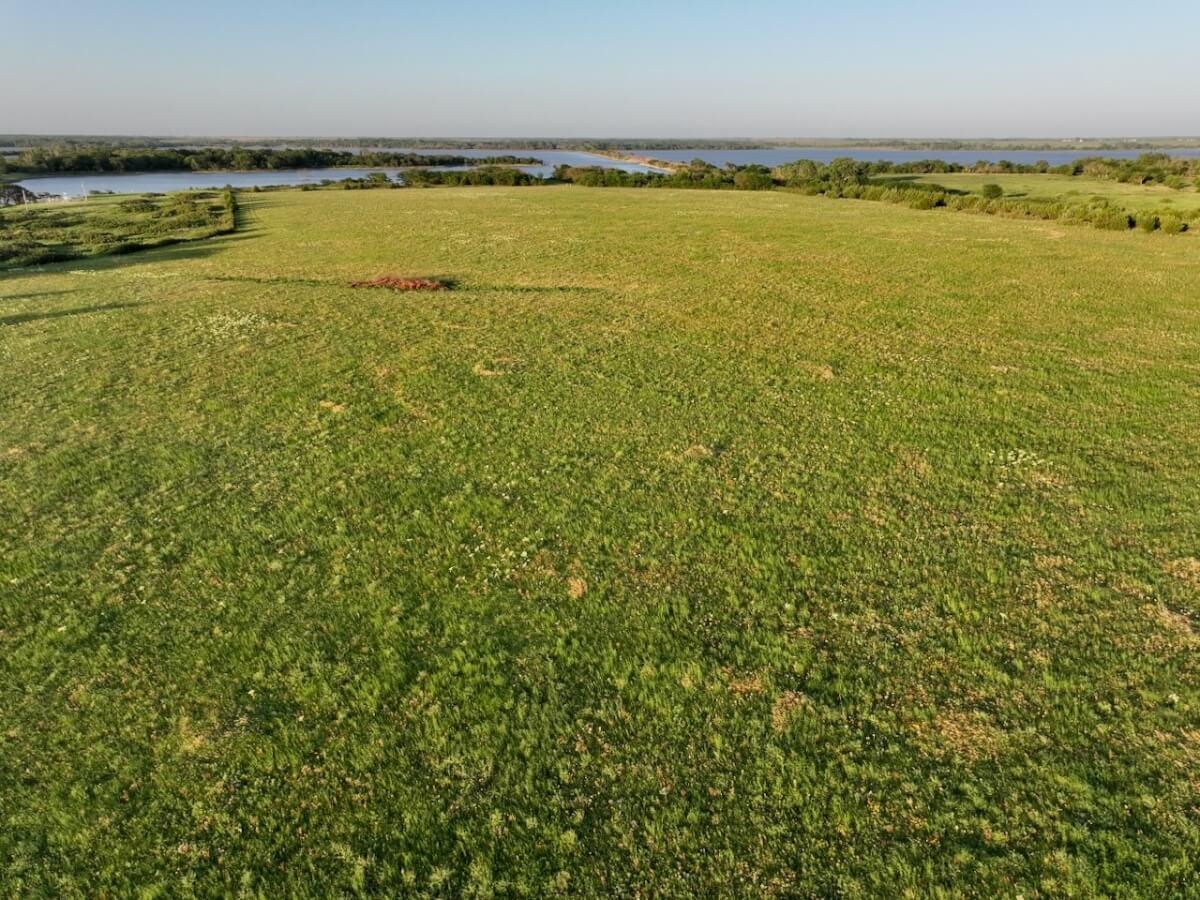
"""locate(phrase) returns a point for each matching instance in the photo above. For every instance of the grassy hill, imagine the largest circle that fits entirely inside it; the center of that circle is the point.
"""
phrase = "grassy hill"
(697, 543)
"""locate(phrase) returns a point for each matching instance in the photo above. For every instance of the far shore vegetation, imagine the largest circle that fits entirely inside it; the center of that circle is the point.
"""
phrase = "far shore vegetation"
(66, 159)
(621, 143)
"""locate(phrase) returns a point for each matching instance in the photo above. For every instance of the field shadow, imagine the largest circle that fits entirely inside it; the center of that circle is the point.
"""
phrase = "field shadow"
(961, 192)
(244, 221)
(22, 318)
(901, 180)
(274, 279)
(532, 289)
(452, 283)
(37, 295)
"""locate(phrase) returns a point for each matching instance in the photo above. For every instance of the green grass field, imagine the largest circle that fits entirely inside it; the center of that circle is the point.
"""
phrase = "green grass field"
(1133, 197)
(699, 543)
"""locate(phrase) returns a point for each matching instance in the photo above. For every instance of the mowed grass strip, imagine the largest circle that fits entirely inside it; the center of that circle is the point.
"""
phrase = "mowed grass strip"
(698, 543)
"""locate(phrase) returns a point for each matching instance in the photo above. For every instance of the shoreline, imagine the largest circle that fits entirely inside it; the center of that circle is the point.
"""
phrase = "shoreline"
(661, 166)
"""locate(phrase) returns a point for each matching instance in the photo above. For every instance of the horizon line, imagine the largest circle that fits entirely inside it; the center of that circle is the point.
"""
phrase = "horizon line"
(585, 137)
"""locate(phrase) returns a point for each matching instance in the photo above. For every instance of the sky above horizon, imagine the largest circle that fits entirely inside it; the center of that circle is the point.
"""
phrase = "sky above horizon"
(762, 68)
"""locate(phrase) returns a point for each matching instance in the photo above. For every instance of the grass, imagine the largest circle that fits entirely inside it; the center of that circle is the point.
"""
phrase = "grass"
(697, 543)
(44, 233)
(1133, 197)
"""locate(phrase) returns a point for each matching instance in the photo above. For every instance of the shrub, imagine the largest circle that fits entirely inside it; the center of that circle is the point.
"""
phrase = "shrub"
(137, 205)
(1110, 219)
(992, 191)
(1172, 224)
(753, 181)
(1147, 221)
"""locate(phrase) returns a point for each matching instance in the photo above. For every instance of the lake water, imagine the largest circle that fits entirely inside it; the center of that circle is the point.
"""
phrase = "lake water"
(162, 182)
(777, 156)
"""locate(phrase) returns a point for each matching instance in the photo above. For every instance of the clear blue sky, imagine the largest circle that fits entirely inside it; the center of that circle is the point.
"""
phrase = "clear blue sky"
(765, 68)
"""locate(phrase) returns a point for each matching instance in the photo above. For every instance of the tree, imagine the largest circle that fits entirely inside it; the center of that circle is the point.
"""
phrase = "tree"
(753, 178)
(843, 171)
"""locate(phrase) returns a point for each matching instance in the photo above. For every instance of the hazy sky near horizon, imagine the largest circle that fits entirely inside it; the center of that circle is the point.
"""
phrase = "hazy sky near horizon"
(701, 68)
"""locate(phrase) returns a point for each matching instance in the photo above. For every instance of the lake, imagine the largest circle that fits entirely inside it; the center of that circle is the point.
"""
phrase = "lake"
(163, 182)
(777, 156)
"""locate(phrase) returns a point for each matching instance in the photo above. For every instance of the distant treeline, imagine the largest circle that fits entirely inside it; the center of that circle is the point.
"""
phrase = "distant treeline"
(1149, 168)
(52, 160)
(612, 143)
(482, 176)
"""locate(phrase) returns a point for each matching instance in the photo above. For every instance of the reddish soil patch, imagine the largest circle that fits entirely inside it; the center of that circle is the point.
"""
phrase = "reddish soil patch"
(401, 283)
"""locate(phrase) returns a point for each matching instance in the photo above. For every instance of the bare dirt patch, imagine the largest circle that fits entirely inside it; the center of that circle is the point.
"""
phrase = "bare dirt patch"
(403, 283)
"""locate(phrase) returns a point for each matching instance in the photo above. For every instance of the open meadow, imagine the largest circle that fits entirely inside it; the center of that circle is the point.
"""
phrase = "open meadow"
(696, 543)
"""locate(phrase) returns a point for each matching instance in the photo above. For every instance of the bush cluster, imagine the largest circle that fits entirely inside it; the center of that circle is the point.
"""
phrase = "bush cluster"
(44, 234)
(484, 175)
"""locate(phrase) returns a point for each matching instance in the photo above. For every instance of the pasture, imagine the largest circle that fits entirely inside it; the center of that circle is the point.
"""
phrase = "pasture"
(695, 543)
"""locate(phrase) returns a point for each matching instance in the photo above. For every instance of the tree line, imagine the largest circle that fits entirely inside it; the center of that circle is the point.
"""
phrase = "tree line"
(55, 160)
(1149, 168)
(422, 177)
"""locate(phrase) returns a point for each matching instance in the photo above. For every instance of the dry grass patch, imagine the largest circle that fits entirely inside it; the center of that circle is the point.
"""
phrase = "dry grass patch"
(403, 283)
(787, 705)
(963, 733)
(913, 462)
(1186, 570)
(1175, 622)
(750, 685)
